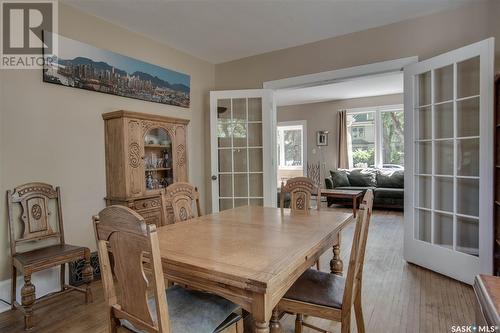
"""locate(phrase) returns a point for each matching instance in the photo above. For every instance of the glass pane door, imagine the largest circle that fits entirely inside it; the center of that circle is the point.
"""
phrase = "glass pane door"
(240, 172)
(447, 155)
(449, 162)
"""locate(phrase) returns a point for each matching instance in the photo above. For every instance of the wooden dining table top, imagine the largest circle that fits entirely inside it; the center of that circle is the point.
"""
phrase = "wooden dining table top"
(250, 247)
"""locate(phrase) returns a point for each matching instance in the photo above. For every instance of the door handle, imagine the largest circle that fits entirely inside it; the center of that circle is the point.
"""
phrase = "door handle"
(214, 177)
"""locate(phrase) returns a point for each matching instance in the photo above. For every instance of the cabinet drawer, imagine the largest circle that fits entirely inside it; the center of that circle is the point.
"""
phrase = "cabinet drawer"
(152, 217)
(147, 203)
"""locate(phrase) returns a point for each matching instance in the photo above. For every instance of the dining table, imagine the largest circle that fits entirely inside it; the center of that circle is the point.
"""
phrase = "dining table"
(250, 255)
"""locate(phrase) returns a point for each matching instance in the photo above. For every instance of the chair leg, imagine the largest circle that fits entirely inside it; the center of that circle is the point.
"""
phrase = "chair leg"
(113, 322)
(317, 265)
(62, 278)
(299, 320)
(27, 301)
(239, 326)
(358, 311)
(13, 287)
(346, 324)
(88, 276)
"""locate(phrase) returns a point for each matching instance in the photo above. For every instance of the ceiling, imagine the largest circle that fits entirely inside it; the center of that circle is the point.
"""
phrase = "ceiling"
(374, 85)
(224, 30)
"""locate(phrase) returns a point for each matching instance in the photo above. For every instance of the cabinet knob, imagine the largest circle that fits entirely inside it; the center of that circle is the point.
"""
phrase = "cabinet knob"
(214, 177)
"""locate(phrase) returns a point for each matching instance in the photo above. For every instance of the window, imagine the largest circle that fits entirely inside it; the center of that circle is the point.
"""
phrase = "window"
(393, 148)
(362, 129)
(376, 137)
(290, 147)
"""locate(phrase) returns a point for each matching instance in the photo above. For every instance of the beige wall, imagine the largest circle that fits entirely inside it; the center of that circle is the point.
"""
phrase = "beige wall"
(55, 134)
(323, 116)
(425, 37)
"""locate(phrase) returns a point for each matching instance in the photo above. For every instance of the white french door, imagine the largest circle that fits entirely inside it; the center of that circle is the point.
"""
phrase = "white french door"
(449, 163)
(242, 134)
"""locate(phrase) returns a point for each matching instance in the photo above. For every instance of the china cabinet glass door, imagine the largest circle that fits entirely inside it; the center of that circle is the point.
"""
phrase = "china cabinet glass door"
(158, 159)
(448, 208)
(241, 148)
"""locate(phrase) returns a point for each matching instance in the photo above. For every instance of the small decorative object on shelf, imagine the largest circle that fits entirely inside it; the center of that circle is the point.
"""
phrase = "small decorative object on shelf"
(144, 154)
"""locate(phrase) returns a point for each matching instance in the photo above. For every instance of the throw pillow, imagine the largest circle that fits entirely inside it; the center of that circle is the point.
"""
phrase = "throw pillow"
(391, 178)
(339, 178)
(363, 177)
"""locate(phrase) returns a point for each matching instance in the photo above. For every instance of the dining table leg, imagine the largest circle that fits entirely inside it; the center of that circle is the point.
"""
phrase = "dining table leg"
(275, 326)
(336, 264)
(261, 327)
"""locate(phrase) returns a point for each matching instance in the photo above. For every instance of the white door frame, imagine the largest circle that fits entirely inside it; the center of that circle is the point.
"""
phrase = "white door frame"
(344, 74)
(268, 140)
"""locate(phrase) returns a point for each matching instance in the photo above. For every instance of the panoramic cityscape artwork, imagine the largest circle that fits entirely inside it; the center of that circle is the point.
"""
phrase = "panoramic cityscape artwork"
(84, 66)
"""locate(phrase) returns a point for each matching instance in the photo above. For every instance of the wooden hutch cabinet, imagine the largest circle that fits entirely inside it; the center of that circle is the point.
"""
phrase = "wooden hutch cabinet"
(144, 154)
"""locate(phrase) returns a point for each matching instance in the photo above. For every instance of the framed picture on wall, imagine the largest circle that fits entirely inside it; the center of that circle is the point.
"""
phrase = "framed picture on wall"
(83, 66)
(322, 138)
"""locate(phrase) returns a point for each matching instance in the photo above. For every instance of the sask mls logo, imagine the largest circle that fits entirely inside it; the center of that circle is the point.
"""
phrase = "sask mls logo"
(24, 43)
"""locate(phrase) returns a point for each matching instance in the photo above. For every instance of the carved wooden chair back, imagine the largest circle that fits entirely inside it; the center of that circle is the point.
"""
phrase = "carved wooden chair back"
(180, 198)
(356, 261)
(300, 189)
(34, 199)
(132, 243)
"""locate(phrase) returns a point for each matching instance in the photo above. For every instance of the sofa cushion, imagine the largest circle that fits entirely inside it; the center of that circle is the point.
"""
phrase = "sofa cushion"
(339, 178)
(390, 179)
(363, 177)
(388, 193)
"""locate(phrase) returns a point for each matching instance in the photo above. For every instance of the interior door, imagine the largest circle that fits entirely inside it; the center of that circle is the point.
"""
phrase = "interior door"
(449, 163)
(243, 145)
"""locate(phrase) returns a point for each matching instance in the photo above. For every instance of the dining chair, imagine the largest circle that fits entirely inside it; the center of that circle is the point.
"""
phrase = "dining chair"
(179, 198)
(330, 296)
(300, 190)
(37, 208)
(138, 269)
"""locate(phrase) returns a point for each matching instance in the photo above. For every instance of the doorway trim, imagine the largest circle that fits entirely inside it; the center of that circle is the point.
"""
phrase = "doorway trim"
(344, 74)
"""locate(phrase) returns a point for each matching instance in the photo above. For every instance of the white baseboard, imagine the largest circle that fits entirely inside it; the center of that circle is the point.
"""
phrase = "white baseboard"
(45, 282)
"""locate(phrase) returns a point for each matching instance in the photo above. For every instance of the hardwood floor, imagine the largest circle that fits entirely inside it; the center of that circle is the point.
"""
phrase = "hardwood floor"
(397, 297)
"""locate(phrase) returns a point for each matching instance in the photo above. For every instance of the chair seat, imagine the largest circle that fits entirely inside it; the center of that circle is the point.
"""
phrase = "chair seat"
(319, 288)
(49, 253)
(192, 311)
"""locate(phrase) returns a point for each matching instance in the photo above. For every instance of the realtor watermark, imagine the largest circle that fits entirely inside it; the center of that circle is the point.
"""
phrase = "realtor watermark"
(474, 328)
(28, 33)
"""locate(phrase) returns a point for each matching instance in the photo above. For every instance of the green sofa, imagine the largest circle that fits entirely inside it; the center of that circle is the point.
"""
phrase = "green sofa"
(387, 185)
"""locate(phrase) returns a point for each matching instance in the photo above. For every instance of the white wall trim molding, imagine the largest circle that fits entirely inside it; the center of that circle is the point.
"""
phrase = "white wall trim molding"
(45, 282)
(328, 77)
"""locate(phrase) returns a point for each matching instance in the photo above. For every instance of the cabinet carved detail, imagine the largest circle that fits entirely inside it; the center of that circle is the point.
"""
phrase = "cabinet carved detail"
(181, 155)
(147, 125)
(134, 155)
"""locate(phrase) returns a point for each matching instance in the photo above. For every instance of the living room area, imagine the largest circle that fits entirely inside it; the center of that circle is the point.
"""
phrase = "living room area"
(348, 135)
